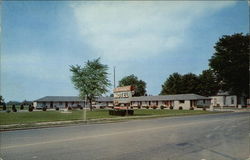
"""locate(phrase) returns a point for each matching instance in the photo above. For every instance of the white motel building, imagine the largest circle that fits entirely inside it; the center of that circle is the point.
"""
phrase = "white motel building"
(186, 101)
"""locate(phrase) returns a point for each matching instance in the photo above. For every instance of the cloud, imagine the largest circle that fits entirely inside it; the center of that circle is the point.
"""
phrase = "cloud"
(125, 30)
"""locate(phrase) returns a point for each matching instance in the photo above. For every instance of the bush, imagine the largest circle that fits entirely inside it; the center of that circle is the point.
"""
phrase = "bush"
(204, 109)
(69, 108)
(21, 107)
(57, 108)
(162, 107)
(191, 108)
(180, 108)
(147, 107)
(44, 108)
(154, 107)
(171, 107)
(14, 108)
(31, 109)
(131, 107)
(4, 106)
(139, 107)
(81, 107)
(121, 112)
(8, 111)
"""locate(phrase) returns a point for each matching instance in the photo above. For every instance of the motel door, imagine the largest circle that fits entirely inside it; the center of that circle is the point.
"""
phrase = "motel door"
(51, 104)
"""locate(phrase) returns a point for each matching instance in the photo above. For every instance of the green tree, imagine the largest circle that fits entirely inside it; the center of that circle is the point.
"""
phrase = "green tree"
(91, 80)
(208, 84)
(189, 83)
(140, 85)
(172, 85)
(1, 100)
(230, 63)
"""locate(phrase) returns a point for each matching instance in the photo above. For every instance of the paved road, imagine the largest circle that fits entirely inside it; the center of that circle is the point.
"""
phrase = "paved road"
(203, 137)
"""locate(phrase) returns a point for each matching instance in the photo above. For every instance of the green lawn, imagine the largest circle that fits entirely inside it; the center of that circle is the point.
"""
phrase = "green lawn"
(41, 116)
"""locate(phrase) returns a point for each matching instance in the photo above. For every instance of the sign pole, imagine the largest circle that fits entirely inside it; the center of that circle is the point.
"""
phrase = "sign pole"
(84, 114)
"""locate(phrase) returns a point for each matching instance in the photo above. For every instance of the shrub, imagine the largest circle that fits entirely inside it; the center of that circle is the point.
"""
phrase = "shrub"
(191, 108)
(204, 108)
(21, 107)
(180, 108)
(31, 109)
(162, 107)
(8, 111)
(131, 107)
(44, 108)
(4, 106)
(121, 112)
(139, 107)
(81, 107)
(154, 107)
(57, 108)
(14, 108)
(69, 108)
(147, 107)
(171, 107)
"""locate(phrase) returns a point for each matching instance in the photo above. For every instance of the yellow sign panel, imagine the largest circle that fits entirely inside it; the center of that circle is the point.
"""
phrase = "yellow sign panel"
(123, 89)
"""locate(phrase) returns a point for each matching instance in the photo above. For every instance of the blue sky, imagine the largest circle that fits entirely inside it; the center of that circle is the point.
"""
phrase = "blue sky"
(39, 40)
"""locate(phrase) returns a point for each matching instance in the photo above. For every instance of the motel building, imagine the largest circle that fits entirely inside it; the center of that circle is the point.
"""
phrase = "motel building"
(185, 101)
(224, 100)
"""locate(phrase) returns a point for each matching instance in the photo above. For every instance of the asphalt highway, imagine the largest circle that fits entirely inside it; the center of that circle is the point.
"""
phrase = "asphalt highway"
(202, 137)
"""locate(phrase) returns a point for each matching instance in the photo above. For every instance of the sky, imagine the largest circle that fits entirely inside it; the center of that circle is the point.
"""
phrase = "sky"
(41, 39)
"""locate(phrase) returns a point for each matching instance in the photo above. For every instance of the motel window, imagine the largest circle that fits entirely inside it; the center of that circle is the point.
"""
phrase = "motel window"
(232, 100)
(181, 101)
(60, 103)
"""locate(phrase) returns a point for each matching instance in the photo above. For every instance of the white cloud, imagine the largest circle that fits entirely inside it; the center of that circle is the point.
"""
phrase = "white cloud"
(123, 30)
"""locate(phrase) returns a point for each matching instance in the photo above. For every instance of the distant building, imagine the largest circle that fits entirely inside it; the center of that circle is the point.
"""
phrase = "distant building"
(58, 101)
(186, 101)
(224, 99)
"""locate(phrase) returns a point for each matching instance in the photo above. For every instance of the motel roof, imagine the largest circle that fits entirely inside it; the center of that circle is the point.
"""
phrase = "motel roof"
(170, 97)
(70, 99)
(109, 99)
(59, 99)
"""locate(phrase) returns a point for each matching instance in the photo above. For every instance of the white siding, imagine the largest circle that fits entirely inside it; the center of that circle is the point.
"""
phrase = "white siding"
(223, 101)
(185, 105)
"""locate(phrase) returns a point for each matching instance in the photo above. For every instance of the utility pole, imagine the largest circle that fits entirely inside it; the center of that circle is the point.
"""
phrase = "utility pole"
(114, 77)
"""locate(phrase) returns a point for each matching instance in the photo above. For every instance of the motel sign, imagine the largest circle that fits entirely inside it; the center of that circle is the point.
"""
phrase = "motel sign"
(123, 95)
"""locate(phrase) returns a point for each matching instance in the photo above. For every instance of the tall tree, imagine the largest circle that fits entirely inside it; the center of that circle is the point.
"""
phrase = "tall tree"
(230, 63)
(189, 83)
(140, 85)
(91, 80)
(172, 85)
(1, 99)
(208, 84)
